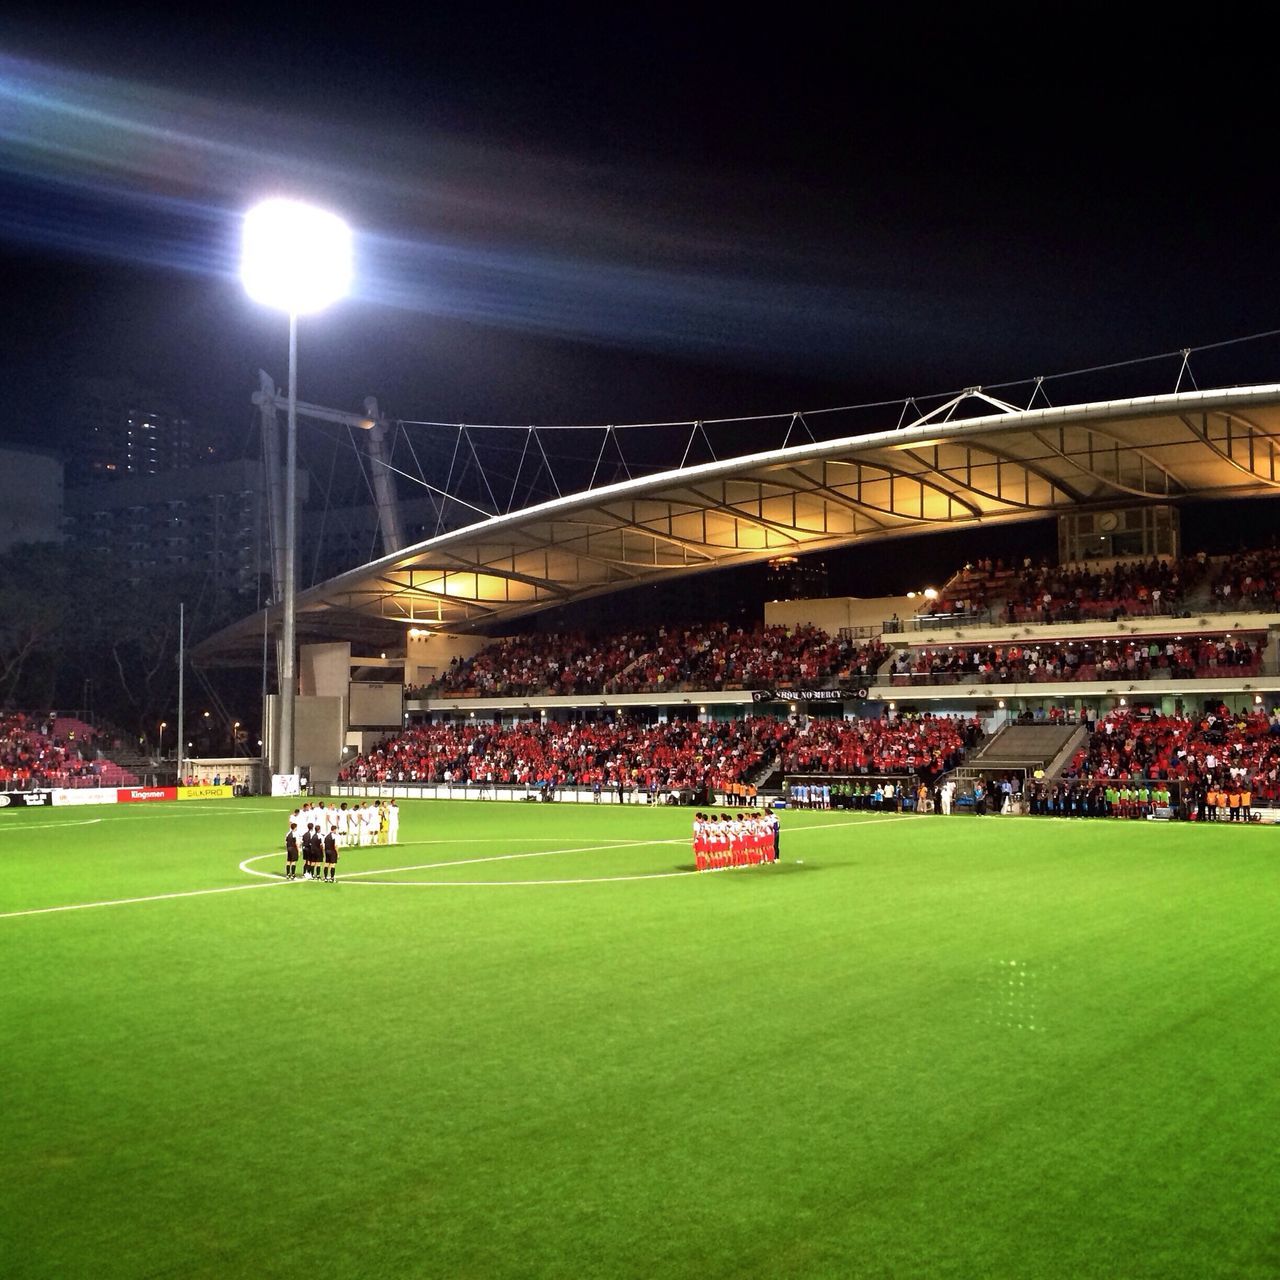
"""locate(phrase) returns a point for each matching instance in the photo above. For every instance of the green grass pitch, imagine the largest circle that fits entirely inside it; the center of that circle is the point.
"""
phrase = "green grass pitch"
(940, 1047)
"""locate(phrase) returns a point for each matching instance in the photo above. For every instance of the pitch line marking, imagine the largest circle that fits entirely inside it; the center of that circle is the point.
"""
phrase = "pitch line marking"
(507, 884)
(459, 862)
(357, 877)
(153, 897)
(44, 826)
(274, 882)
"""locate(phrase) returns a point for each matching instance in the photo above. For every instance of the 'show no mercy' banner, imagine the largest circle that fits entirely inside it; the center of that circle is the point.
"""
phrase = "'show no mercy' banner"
(806, 695)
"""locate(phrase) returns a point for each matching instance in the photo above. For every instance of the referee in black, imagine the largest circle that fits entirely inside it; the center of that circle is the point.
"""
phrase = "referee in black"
(291, 853)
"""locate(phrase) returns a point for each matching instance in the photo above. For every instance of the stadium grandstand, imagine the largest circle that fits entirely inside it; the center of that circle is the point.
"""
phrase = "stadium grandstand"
(55, 751)
(425, 668)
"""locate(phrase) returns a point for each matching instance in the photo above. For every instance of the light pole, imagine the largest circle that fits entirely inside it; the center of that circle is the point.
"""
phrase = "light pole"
(164, 724)
(297, 259)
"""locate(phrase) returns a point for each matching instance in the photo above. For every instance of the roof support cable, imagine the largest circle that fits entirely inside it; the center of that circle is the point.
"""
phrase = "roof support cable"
(591, 484)
(484, 475)
(622, 457)
(448, 483)
(422, 476)
(324, 513)
(699, 429)
(555, 484)
(688, 445)
(1185, 368)
(515, 480)
(798, 416)
(1038, 390)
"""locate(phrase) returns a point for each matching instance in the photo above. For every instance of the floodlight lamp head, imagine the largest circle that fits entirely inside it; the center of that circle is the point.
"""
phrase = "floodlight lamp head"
(295, 257)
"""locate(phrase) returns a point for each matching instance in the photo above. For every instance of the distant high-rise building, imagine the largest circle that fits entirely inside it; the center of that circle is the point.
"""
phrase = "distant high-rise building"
(210, 521)
(30, 497)
(793, 578)
(119, 428)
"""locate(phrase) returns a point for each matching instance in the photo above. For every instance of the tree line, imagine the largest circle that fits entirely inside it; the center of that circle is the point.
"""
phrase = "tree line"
(76, 630)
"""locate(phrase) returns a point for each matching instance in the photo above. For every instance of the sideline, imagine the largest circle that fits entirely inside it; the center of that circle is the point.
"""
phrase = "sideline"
(45, 826)
(124, 902)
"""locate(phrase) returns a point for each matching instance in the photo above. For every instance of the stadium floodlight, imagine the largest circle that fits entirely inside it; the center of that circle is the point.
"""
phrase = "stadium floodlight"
(295, 257)
(299, 259)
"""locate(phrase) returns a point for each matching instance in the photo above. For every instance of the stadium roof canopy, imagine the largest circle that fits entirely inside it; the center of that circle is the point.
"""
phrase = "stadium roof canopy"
(940, 472)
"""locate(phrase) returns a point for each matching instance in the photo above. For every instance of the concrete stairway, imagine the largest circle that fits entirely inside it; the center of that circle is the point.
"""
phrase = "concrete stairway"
(1025, 747)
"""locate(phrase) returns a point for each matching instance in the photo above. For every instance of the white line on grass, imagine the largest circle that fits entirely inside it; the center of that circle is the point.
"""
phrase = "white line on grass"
(188, 810)
(350, 877)
(270, 881)
(154, 897)
(44, 826)
(463, 862)
(507, 884)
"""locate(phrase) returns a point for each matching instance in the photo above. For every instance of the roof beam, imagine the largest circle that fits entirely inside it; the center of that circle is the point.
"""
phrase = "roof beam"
(1119, 446)
(1227, 455)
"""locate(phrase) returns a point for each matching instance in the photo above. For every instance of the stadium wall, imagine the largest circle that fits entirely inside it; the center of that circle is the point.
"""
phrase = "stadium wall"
(838, 612)
(319, 728)
(44, 797)
(523, 707)
(324, 670)
(429, 653)
(930, 631)
(496, 791)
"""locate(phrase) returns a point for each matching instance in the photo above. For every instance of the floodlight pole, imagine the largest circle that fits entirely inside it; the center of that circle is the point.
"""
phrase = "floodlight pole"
(288, 638)
(296, 259)
(182, 671)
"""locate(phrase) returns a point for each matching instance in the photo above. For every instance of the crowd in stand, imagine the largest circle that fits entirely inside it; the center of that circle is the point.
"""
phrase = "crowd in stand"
(1135, 588)
(681, 755)
(565, 663)
(1213, 749)
(720, 656)
(1248, 581)
(1147, 658)
(684, 755)
(32, 755)
(923, 745)
(699, 657)
(1029, 592)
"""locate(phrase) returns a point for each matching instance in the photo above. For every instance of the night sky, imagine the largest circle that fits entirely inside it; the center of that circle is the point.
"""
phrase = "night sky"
(569, 218)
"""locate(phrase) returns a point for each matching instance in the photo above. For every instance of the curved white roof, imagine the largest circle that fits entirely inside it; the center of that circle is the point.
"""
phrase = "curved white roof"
(1006, 465)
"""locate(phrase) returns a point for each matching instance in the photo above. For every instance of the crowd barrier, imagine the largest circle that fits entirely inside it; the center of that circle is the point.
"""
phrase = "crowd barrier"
(60, 796)
(492, 791)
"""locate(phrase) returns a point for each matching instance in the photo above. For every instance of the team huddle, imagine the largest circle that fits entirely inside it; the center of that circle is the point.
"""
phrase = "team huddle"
(318, 831)
(734, 840)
